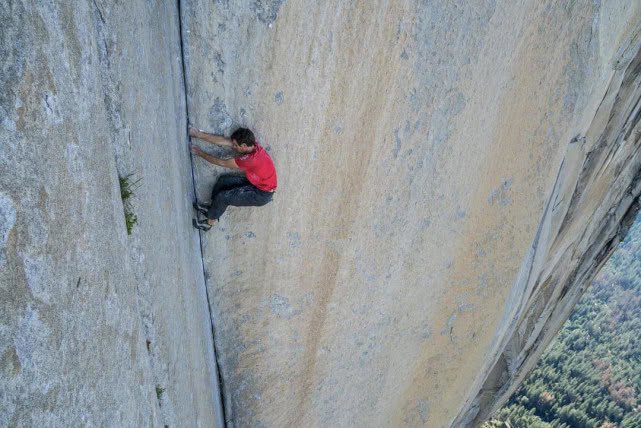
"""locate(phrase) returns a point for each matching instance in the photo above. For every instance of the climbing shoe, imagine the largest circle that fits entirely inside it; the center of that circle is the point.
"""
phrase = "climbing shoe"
(200, 208)
(201, 225)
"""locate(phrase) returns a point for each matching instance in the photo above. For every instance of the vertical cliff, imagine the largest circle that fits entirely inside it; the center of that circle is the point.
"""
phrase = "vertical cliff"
(98, 327)
(451, 174)
(594, 201)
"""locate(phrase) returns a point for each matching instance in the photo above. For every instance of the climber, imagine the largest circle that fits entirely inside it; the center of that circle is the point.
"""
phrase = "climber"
(254, 189)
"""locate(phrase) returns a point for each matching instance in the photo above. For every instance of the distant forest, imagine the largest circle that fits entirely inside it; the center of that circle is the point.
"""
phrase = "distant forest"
(590, 376)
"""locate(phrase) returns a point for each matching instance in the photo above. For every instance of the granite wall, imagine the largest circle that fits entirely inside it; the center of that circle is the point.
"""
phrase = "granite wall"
(98, 327)
(451, 174)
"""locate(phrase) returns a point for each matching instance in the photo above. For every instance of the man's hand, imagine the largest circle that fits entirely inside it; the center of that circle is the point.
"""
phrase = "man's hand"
(197, 150)
(193, 132)
(210, 138)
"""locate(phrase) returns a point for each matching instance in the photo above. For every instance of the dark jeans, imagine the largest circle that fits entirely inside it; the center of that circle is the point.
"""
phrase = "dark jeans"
(236, 191)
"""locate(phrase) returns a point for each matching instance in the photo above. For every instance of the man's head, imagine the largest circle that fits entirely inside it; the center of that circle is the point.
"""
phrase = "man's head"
(243, 140)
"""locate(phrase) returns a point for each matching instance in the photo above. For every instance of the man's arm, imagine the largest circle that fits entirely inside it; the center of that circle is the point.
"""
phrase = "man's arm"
(227, 163)
(210, 138)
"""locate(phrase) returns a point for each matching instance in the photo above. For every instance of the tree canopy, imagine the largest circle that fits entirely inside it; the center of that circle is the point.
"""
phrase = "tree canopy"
(590, 376)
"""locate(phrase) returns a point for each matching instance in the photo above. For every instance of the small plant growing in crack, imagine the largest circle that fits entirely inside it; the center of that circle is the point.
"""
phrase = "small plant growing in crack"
(128, 188)
(159, 392)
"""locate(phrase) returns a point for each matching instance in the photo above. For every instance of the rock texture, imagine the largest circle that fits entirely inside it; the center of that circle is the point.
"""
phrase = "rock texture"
(594, 201)
(98, 328)
(451, 176)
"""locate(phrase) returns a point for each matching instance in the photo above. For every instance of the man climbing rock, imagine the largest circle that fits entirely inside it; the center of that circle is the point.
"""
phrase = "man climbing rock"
(254, 189)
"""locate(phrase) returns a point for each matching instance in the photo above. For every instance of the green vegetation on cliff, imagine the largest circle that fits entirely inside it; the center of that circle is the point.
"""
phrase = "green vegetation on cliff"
(127, 193)
(590, 376)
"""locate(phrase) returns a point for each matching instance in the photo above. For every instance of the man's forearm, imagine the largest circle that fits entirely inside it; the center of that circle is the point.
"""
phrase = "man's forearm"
(214, 139)
(212, 159)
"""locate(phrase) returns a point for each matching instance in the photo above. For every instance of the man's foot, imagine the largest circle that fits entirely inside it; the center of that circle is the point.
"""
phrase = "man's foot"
(200, 208)
(203, 225)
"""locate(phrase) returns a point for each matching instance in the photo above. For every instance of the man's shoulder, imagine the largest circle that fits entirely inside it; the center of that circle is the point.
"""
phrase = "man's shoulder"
(249, 155)
(258, 154)
(263, 152)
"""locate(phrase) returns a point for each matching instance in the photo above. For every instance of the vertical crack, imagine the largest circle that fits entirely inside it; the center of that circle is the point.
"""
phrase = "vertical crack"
(200, 240)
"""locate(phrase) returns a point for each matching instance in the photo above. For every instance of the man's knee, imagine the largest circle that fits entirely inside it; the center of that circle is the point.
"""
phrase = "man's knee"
(263, 202)
(217, 206)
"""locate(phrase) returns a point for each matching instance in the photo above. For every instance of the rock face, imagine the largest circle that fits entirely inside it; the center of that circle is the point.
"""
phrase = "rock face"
(98, 328)
(451, 176)
(594, 201)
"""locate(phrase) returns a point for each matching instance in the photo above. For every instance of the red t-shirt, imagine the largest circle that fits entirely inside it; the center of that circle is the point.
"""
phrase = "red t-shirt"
(259, 168)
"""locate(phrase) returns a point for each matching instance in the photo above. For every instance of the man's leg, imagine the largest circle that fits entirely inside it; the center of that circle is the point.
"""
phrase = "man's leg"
(245, 196)
(224, 182)
(228, 182)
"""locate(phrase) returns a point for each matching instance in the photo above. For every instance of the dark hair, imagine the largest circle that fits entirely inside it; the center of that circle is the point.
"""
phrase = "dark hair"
(244, 136)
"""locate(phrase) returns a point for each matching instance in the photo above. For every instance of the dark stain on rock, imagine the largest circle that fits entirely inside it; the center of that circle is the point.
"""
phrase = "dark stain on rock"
(501, 195)
(44, 197)
(337, 125)
(278, 97)
(220, 120)
(397, 148)
(220, 63)
(10, 362)
(294, 239)
(266, 10)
